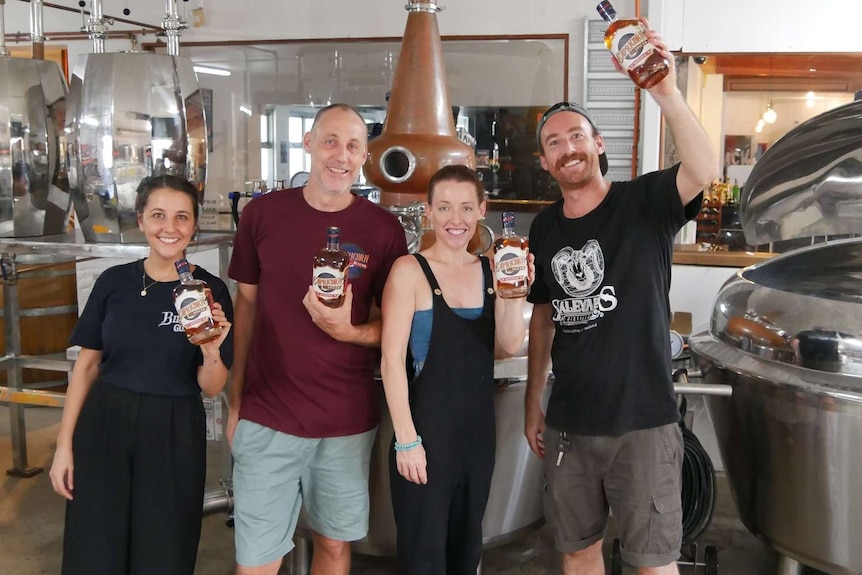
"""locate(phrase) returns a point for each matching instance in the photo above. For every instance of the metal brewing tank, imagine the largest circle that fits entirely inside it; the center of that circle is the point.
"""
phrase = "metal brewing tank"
(34, 189)
(134, 115)
(787, 335)
(515, 501)
(131, 115)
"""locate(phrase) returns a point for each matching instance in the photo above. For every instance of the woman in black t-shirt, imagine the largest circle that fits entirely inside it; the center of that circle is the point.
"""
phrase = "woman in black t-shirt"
(133, 417)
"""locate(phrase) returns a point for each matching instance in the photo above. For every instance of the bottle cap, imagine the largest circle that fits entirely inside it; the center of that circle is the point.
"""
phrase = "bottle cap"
(182, 266)
(332, 233)
(606, 11)
(508, 219)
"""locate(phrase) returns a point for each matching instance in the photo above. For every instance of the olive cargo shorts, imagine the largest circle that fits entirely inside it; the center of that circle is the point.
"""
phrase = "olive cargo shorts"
(637, 475)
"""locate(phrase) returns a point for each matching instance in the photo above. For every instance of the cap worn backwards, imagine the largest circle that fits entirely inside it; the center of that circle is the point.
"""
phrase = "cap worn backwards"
(570, 107)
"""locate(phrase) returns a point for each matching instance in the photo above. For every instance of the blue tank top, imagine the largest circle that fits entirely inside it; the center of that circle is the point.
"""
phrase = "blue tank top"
(420, 330)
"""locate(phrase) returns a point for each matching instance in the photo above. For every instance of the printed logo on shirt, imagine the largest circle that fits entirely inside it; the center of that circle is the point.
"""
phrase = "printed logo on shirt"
(169, 318)
(358, 260)
(580, 273)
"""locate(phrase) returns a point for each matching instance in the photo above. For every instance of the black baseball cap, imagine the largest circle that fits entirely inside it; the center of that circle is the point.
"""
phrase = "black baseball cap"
(578, 109)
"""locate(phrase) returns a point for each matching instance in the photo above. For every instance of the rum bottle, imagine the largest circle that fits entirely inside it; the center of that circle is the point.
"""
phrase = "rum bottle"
(510, 261)
(193, 300)
(329, 273)
(626, 39)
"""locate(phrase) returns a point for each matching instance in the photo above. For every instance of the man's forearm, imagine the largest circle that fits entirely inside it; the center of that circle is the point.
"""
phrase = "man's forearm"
(695, 150)
(243, 327)
(367, 334)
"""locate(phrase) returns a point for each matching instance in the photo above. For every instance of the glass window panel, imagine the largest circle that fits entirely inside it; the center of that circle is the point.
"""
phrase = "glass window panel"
(294, 129)
(297, 161)
(264, 127)
(266, 164)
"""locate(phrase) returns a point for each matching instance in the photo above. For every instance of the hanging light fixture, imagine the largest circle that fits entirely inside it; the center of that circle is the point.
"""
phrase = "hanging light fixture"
(769, 116)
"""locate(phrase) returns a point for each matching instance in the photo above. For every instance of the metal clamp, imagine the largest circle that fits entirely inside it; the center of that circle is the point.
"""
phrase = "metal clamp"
(424, 7)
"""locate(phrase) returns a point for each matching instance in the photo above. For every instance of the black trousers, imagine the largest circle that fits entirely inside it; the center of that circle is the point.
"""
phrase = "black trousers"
(140, 468)
(440, 523)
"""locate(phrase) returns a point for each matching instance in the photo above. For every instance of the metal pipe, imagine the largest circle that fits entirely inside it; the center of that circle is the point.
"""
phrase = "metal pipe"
(3, 51)
(788, 566)
(96, 10)
(36, 30)
(96, 27)
(172, 25)
(703, 389)
(109, 17)
(217, 500)
(21, 37)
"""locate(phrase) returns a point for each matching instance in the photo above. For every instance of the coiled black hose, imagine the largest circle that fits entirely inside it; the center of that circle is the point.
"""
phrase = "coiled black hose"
(698, 482)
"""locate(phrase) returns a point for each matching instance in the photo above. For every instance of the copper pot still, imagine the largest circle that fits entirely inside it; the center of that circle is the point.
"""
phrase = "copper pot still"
(418, 136)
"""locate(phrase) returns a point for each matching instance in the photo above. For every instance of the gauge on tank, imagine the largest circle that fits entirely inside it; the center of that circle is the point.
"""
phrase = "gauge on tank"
(677, 344)
(299, 179)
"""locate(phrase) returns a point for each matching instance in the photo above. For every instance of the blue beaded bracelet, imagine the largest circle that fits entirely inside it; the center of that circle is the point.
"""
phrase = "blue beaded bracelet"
(408, 446)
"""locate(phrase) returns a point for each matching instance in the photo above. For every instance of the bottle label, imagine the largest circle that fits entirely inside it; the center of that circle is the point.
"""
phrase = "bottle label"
(631, 47)
(328, 282)
(510, 264)
(193, 308)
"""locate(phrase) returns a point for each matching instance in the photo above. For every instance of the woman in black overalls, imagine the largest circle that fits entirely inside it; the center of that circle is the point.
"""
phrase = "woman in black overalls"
(442, 302)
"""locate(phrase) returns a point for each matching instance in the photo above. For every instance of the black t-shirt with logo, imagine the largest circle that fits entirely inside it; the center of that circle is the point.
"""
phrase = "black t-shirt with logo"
(607, 278)
(144, 348)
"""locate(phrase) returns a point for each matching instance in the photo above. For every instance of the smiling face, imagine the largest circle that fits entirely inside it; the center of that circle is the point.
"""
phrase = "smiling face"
(338, 144)
(454, 211)
(570, 150)
(168, 223)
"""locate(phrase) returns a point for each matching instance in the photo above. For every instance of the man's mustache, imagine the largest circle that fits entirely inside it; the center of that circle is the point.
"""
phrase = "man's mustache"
(569, 157)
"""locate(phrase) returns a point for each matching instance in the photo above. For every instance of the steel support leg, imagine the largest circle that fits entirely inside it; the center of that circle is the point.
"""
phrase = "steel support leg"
(788, 566)
(299, 558)
(14, 378)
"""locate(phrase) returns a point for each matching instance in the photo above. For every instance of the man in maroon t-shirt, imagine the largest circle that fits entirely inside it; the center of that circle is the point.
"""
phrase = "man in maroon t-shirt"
(304, 406)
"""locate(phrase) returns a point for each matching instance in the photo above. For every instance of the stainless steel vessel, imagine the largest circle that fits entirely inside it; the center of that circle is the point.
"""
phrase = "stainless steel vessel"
(132, 115)
(34, 189)
(515, 501)
(786, 334)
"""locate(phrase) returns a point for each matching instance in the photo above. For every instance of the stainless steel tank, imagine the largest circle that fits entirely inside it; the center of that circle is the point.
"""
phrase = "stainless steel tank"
(34, 189)
(132, 115)
(135, 115)
(786, 334)
(515, 501)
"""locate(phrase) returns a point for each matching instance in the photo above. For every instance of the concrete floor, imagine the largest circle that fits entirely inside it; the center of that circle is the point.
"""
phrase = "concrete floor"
(31, 525)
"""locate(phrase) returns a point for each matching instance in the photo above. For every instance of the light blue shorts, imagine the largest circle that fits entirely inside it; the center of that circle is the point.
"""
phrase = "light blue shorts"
(276, 474)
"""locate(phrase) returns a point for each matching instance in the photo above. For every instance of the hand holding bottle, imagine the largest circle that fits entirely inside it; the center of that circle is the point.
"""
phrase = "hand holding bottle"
(212, 346)
(336, 322)
(638, 50)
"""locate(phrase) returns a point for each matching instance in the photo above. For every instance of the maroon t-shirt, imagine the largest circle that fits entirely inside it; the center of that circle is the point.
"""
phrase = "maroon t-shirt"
(298, 379)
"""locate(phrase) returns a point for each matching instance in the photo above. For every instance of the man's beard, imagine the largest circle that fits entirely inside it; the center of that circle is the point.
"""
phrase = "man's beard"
(573, 180)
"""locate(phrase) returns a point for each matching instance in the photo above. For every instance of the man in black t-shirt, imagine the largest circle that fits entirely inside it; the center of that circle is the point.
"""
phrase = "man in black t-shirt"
(601, 313)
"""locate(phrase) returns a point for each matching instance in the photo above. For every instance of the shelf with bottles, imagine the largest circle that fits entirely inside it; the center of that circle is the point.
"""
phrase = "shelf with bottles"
(507, 157)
